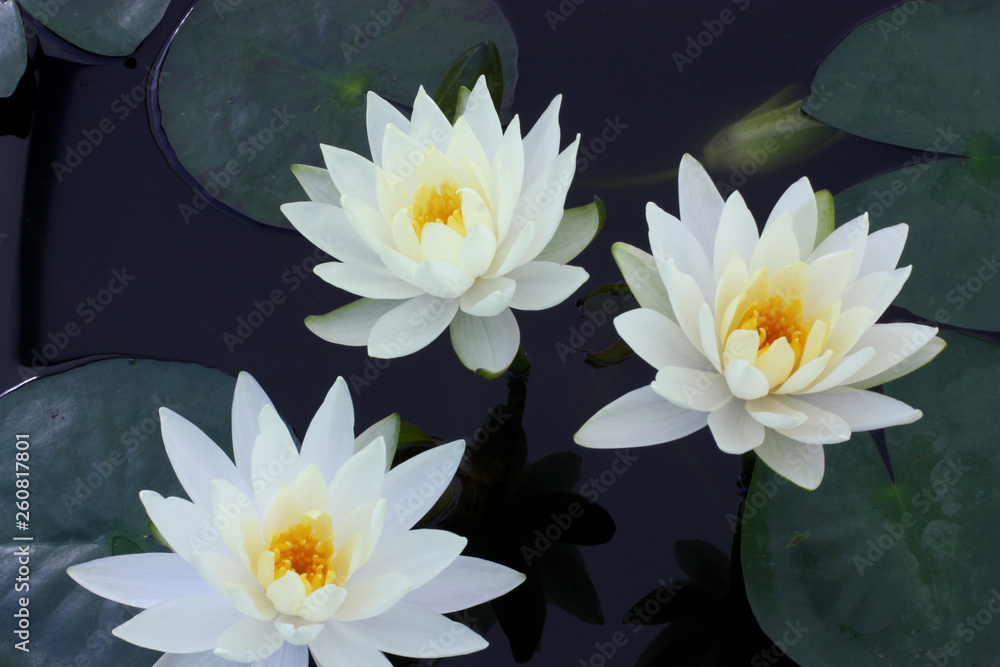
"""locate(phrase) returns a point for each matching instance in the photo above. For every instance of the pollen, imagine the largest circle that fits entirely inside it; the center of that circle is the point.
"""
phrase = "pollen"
(305, 548)
(442, 203)
(776, 319)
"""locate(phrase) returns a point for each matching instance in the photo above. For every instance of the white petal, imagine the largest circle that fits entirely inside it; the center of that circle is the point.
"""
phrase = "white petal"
(379, 114)
(513, 250)
(414, 631)
(485, 343)
(828, 276)
(737, 232)
(185, 526)
(643, 278)
(864, 410)
(639, 418)
(799, 200)
(478, 249)
(840, 372)
(487, 297)
(541, 285)
(901, 348)
(734, 430)
(428, 125)
(196, 459)
(275, 459)
(542, 201)
(482, 117)
(388, 430)
(778, 246)
(687, 300)
(182, 625)
(821, 427)
(366, 521)
(802, 464)
(465, 583)
(658, 340)
(700, 202)
(442, 279)
(775, 412)
(692, 389)
(374, 282)
(853, 236)
(287, 593)
(541, 144)
(298, 631)
(320, 605)
(670, 239)
(329, 441)
(140, 580)
(411, 326)
(745, 380)
(883, 249)
(370, 597)
(339, 646)
(248, 400)
(358, 481)
(202, 659)
(351, 173)
(317, 183)
(248, 640)
(412, 487)
(328, 228)
(419, 555)
(351, 324)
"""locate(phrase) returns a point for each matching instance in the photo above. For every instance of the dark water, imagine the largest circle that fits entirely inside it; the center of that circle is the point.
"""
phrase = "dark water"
(65, 236)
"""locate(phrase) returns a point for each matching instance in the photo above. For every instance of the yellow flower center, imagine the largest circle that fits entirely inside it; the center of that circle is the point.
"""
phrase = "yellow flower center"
(305, 548)
(776, 319)
(442, 203)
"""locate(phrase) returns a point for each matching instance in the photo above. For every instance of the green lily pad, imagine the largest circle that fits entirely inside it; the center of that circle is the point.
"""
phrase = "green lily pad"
(247, 92)
(916, 76)
(891, 573)
(94, 443)
(953, 210)
(924, 76)
(13, 53)
(104, 27)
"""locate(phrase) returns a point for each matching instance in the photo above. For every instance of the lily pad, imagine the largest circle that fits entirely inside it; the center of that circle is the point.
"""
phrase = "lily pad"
(953, 210)
(247, 92)
(94, 442)
(924, 76)
(104, 27)
(13, 53)
(903, 572)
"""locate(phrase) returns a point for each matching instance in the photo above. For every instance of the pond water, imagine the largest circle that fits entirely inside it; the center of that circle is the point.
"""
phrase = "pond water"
(105, 249)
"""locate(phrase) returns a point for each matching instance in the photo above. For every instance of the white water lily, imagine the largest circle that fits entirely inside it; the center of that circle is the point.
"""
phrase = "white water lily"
(769, 339)
(446, 225)
(292, 552)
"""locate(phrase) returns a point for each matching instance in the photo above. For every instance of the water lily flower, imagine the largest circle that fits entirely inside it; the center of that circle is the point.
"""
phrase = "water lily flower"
(290, 552)
(769, 339)
(447, 225)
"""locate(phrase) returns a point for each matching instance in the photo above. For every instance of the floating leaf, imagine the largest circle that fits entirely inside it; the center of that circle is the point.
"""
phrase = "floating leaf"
(481, 60)
(891, 573)
(94, 443)
(104, 27)
(247, 92)
(13, 51)
(923, 76)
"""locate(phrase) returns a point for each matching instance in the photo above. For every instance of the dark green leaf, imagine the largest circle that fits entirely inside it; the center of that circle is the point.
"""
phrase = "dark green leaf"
(483, 59)
(13, 52)
(892, 573)
(104, 27)
(95, 442)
